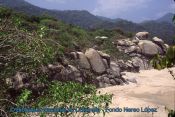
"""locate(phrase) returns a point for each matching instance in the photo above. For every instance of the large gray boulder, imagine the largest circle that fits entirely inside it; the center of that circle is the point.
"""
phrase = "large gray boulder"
(115, 69)
(95, 60)
(142, 35)
(158, 41)
(131, 49)
(75, 73)
(83, 61)
(141, 63)
(125, 42)
(148, 48)
(106, 58)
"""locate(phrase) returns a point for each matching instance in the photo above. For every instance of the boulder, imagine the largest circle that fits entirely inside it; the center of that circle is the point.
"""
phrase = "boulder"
(73, 55)
(95, 60)
(83, 61)
(142, 35)
(131, 49)
(125, 42)
(115, 69)
(18, 80)
(138, 62)
(122, 65)
(113, 82)
(75, 71)
(148, 48)
(106, 63)
(55, 68)
(106, 80)
(100, 78)
(119, 81)
(105, 56)
(166, 46)
(158, 41)
(136, 40)
(121, 42)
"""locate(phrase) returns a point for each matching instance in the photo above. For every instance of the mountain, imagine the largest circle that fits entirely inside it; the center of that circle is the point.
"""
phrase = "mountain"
(124, 25)
(164, 30)
(166, 18)
(81, 18)
(161, 27)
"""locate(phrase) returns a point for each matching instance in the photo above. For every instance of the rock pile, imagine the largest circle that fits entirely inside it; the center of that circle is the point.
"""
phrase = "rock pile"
(92, 67)
(141, 49)
(107, 72)
(96, 67)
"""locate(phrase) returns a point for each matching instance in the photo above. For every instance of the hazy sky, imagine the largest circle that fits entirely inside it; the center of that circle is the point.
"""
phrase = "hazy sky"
(134, 10)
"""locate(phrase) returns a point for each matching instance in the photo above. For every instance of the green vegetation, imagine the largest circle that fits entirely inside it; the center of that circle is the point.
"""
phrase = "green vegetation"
(26, 44)
(66, 96)
(73, 95)
(161, 62)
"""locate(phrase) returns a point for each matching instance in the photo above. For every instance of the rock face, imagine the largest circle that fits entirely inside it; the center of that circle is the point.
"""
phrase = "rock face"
(158, 41)
(96, 67)
(142, 35)
(141, 63)
(161, 43)
(115, 69)
(95, 61)
(107, 72)
(141, 50)
(148, 48)
(83, 60)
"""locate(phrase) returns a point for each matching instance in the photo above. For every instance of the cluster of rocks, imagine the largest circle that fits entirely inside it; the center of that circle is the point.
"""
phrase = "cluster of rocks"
(107, 72)
(95, 67)
(141, 49)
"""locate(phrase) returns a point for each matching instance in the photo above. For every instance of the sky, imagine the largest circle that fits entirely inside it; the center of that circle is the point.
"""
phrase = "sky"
(133, 10)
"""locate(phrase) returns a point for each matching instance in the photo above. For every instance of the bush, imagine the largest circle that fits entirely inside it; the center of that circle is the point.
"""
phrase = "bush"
(51, 24)
(161, 62)
(73, 95)
(5, 12)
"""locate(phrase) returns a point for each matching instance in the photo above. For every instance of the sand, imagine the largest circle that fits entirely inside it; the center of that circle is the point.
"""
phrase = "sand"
(154, 89)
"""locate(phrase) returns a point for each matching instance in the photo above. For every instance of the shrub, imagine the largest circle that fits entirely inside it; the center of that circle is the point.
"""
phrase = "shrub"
(50, 23)
(73, 95)
(5, 12)
(161, 62)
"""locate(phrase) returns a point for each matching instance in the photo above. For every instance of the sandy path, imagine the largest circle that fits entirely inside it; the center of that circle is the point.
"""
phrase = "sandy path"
(154, 89)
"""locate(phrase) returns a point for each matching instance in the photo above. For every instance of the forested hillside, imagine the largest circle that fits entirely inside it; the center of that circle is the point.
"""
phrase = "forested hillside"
(87, 20)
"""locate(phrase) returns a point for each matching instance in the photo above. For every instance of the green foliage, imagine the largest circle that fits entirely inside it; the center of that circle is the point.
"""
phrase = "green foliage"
(26, 44)
(27, 52)
(42, 31)
(24, 97)
(4, 12)
(51, 24)
(161, 62)
(73, 95)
